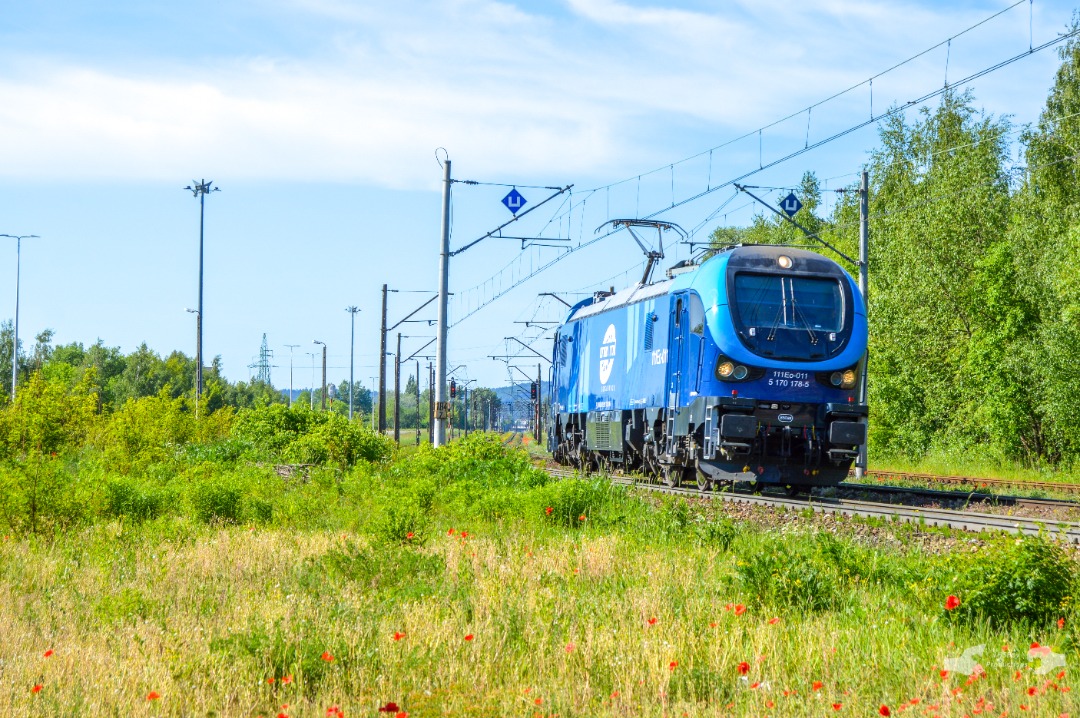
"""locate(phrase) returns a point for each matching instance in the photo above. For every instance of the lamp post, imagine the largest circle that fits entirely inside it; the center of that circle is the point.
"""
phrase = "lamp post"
(14, 348)
(200, 190)
(291, 347)
(352, 350)
(316, 341)
(311, 392)
(198, 355)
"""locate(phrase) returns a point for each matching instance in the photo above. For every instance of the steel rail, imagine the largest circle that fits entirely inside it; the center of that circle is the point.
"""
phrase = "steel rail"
(962, 520)
(937, 479)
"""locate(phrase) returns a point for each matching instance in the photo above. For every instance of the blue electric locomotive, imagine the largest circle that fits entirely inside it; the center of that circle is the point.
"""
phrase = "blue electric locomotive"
(745, 367)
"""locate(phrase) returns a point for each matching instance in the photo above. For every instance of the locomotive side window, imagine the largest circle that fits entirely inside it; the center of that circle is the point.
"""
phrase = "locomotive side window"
(697, 315)
(678, 311)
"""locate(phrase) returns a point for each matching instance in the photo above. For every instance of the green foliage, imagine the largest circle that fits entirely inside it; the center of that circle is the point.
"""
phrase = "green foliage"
(779, 577)
(298, 435)
(1028, 580)
(132, 499)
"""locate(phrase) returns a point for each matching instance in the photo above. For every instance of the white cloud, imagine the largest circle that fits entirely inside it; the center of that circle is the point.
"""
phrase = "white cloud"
(551, 96)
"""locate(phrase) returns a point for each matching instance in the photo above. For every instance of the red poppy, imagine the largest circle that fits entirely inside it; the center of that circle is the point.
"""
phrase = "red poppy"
(1061, 675)
(36, 688)
(817, 685)
(282, 714)
(335, 712)
(1032, 691)
(652, 621)
(754, 685)
(1061, 624)
(673, 665)
(464, 534)
(570, 647)
(1034, 644)
(770, 704)
(740, 609)
(409, 535)
(401, 714)
(390, 707)
(712, 624)
(774, 621)
(50, 651)
(548, 510)
(326, 656)
(269, 680)
(884, 710)
(153, 696)
(744, 668)
(469, 637)
(450, 532)
(398, 635)
(952, 602)
(837, 706)
(288, 679)
(538, 701)
(943, 674)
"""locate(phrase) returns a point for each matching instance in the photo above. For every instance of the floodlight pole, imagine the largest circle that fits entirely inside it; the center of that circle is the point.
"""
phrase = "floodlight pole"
(200, 190)
(316, 341)
(15, 344)
(441, 407)
(352, 353)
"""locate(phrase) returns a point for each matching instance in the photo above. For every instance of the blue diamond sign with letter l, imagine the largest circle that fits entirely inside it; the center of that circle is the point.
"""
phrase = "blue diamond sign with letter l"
(514, 201)
(791, 205)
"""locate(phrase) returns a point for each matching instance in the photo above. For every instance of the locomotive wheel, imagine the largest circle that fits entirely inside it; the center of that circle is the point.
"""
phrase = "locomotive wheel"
(672, 475)
(704, 483)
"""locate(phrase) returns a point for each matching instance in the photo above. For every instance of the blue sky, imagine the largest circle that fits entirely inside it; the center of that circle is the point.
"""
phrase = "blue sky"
(320, 119)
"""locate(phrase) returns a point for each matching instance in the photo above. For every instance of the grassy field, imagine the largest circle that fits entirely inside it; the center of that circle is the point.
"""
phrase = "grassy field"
(464, 582)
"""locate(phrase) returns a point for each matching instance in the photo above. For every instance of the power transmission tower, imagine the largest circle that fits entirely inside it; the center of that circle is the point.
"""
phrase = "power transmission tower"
(262, 366)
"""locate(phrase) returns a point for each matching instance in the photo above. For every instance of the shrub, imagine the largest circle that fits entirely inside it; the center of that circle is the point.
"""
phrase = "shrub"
(787, 579)
(1025, 580)
(133, 500)
(300, 436)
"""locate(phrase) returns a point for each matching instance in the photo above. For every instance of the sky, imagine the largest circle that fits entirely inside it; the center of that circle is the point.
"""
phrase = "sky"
(324, 121)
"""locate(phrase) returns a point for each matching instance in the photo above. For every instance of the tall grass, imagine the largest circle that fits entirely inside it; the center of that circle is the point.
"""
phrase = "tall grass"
(362, 587)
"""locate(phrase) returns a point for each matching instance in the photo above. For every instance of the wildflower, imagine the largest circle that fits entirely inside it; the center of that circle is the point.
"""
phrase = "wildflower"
(652, 621)
(673, 665)
(538, 701)
(837, 706)
(744, 668)
(1034, 644)
(282, 714)
(1032, 690)
(570, 647)
(548, 510)
(754, 685)
(712, 624)
(884, 710)
(1061, 623)
(952, 602)
(774, 621)
(270, 680)
(450, 532)
(335, 712)
(817, 685)
(327, 657)
(50, 651)
(469, 637)
(944, 674)
(153, 696)
(390, 707)
(288, 679)
(770, 704)
(401, 714)
(398, 635)
(740, 609)
(36, 688)
(409, 536)
(581, 518)
(464, 534)
(1061, 675)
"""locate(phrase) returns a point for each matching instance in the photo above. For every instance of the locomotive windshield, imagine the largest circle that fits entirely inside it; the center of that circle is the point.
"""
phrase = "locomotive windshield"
(790, 317)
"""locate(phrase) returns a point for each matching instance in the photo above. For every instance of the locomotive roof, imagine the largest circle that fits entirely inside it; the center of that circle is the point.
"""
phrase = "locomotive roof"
(707, 278)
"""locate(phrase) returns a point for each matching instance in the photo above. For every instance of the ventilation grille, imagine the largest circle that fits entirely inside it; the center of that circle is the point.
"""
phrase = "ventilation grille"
(649, 332)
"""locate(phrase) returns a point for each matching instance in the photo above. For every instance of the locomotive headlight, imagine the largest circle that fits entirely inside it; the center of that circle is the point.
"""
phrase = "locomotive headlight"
(837, 378)
(848, 379)
(725, 369)
(784, 261)
(740, 372)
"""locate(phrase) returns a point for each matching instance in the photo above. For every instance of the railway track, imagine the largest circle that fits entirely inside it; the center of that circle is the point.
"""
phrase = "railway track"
(969, 481)
(931, 516)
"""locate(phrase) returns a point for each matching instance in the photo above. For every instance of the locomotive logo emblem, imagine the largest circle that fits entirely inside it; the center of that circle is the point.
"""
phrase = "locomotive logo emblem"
(786, 418)
(607, 354)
